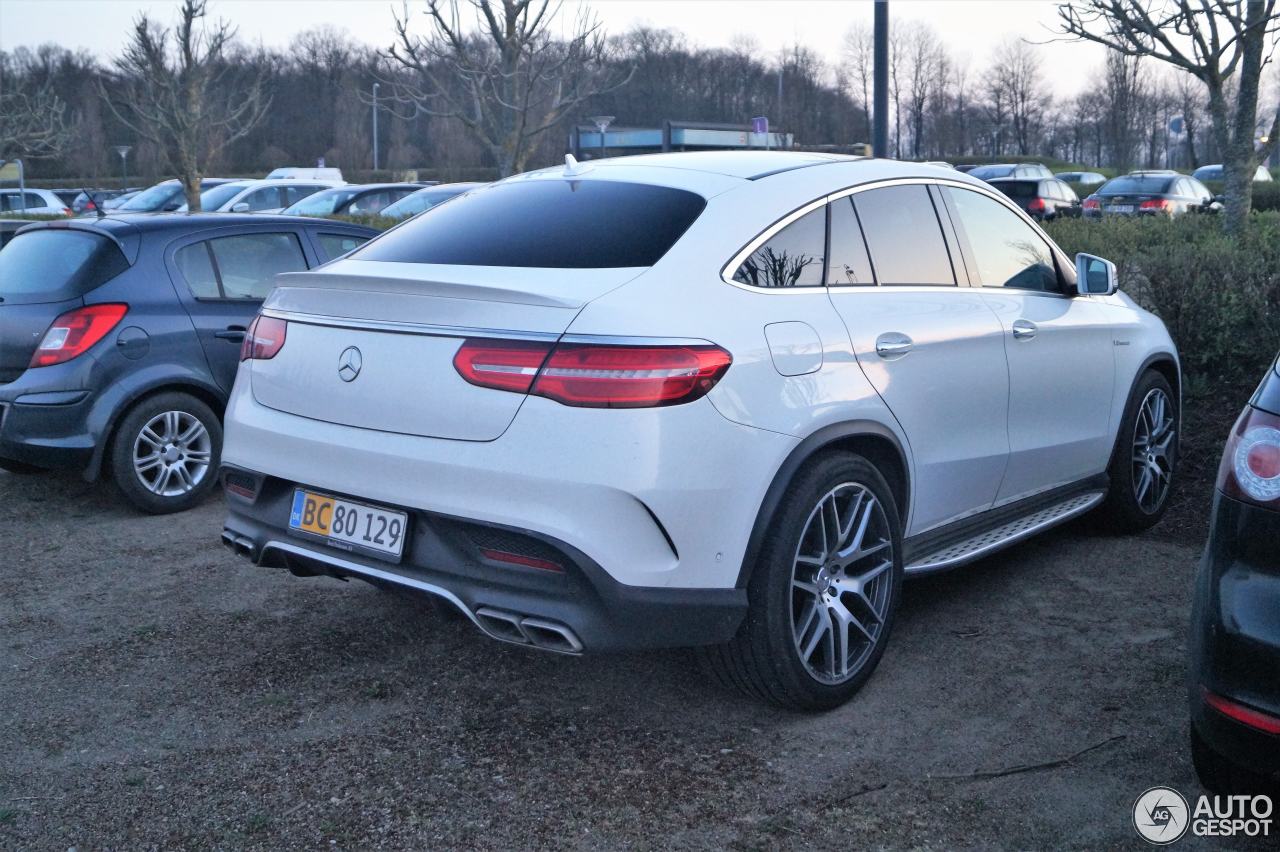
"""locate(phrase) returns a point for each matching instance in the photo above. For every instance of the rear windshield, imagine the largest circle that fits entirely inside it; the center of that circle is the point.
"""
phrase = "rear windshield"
(1018, 189)
(1131, 185)
(550, 224)
(324, 202)
(55, 265)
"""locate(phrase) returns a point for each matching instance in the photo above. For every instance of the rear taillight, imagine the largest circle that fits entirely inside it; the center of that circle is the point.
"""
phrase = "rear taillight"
(1244, 715)
(264, 339)
(75, 332)
(594, 376)
(1154, 204)
(1092, 204)
(1250, 468)
(1036, 205)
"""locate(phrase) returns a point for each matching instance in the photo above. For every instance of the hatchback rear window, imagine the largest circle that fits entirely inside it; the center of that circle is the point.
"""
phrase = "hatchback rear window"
(550, 224)
(1018, 189)
(56, 264)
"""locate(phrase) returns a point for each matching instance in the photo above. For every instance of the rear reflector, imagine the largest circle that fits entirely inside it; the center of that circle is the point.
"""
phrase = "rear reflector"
(75, 332)
(521, 559)
(594, 376)
(1244, 715)
(264, 339)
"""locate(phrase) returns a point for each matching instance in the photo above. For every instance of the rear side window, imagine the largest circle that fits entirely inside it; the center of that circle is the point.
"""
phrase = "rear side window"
(1017, 189)
(1003, 249)
(847, 261)
(336, 245)
(56, 264)
(195, 264)
(242, 267)
(903, 236)
(793, 257)
(552, 224)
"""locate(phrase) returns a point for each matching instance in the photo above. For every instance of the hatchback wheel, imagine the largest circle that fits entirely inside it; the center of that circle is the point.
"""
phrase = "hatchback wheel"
(824, 590)
(1145, 457)
(165, 453)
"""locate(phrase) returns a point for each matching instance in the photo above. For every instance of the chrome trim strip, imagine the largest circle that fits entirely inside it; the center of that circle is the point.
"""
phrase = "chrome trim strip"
(925, 567)
(622, 340)
(424, 329)
(376, 573)
(726, 273)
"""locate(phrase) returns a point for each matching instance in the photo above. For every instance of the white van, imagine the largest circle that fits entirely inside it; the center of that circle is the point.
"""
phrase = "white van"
(296, 173)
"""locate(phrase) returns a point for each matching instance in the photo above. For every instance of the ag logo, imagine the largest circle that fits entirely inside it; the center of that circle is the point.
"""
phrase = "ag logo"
(1161, 815)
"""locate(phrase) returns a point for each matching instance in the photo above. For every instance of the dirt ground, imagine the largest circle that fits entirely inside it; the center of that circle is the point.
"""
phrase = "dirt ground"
(158, 692)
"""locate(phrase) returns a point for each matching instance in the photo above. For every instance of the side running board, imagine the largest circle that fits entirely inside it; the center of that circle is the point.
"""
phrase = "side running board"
(996, 538)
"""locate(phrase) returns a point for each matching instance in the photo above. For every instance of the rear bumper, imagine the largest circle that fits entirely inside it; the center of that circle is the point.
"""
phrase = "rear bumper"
(44, 425)
(578, 608)
(1235, 636)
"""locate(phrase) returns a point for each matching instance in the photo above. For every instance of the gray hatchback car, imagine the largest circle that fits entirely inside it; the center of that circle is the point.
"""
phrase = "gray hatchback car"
(120, 338)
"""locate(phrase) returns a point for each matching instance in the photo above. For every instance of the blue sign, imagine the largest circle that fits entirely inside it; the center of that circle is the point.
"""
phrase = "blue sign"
(1177, 126)
(760, 124)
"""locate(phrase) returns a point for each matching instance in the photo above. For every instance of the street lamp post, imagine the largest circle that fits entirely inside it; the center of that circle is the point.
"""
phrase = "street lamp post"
(375, 126)
(602, 123)
(123, 151)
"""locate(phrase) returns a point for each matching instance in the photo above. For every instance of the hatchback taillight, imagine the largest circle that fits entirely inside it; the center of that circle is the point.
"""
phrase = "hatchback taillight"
(1092, 204)
(1036, 205)
(75, 332)
(1250, 468)
(594, 376)
(264, 339)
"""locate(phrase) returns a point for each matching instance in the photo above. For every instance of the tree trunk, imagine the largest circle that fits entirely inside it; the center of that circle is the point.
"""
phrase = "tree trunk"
(191, 186)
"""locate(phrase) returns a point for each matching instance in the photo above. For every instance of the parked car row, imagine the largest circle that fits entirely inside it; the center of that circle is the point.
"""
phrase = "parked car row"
(498, 404)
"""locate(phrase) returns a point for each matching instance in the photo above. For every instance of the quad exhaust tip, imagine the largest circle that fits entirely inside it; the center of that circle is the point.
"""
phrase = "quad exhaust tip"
(527, 630)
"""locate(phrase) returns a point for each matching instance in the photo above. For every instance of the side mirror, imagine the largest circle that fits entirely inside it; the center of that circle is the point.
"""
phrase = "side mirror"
(1095, 276)
(240, 207)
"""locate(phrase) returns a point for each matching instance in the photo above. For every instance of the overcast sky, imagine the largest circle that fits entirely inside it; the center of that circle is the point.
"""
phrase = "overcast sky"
(971, 28)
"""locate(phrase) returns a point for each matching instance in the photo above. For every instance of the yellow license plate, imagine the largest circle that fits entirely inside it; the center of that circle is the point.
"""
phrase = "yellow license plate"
(347, 524)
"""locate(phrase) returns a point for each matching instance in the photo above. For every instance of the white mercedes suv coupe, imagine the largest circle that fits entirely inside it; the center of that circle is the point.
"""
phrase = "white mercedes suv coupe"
(724, 400)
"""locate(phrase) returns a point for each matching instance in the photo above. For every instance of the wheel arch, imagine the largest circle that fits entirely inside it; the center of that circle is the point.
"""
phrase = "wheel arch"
(1164, 363)
(872, 440)
(209, 394)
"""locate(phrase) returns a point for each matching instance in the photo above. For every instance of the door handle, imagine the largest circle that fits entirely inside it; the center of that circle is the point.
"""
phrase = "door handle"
(1024, 329)
(232, 332)
(893, 345)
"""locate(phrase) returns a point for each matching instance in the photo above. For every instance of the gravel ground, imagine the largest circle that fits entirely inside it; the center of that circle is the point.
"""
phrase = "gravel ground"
(159, 692)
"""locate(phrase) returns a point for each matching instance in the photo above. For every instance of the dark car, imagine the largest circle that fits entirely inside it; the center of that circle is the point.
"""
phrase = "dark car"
(361, 199)
(1042, 199)
(164, 197)
(9, 227)
(1235, 622)
(424, 199)
(1087, 178)
(1020, 171)
(1155, 193)
(120, 338)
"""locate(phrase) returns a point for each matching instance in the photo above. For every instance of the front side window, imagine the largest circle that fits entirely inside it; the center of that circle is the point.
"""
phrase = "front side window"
(903, 236)
(548, 224)
(239, 267)
(267, 198)
(1004, 250)
(793, 257)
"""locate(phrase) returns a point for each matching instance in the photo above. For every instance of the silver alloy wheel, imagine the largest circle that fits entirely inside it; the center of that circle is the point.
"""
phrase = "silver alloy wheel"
(841, 583)
(171, 454)
(1153, 437)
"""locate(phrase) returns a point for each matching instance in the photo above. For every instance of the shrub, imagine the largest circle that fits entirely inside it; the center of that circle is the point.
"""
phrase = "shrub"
(1219, 296)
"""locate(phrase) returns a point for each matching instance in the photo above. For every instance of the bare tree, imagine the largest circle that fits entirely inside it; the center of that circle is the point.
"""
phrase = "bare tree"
(858, 67)
(1213, 40)
(32, 126)
(510, 83)
(179, 90)
(1020, 83)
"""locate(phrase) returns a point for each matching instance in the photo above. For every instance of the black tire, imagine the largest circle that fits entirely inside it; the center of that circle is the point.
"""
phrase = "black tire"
(121, 454)
(19, 468)
(1123, 510)
(1219, 775)
(764, 659)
